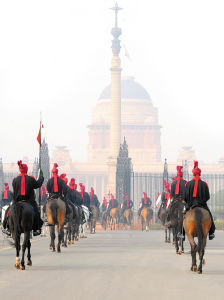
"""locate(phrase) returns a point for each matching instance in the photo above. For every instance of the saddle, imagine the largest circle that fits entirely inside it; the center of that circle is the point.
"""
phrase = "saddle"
(53, 197)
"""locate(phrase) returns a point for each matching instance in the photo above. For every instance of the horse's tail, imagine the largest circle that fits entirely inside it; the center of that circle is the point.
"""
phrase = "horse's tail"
(17, 216)
(199, 229)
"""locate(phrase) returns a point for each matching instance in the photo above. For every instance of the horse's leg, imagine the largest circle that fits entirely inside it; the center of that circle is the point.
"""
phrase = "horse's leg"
(166, 241)
(17, 244)
(52, 235)
(29, 261)
(25, 244)
(201, 253)
(193, 252)
(60, 237)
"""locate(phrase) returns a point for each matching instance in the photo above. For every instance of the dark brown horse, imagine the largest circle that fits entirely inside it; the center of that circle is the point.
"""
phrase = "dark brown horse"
(197, 223)
(175, 212)
(55, 210)
(162, 217)
(104, 219)
(94, 216)
(69, 228)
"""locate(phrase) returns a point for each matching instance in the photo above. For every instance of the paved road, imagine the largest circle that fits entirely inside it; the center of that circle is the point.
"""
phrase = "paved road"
(114, 265)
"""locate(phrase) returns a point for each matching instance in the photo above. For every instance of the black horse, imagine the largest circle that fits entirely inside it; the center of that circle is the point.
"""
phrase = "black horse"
(21, 220)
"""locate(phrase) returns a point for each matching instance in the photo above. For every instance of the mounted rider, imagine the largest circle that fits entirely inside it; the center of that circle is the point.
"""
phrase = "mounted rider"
(112, 204)
(75, 198)
(145, 202)
(23, 190)
(197, 194)
(57, 188)
(178, 185)
(127, 204)
(43, 195)
(104, 205)
(7, 196)
(165, 196)
(94, 200)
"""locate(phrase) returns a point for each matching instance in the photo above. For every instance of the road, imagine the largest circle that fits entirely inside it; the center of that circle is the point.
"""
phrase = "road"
(113, 265)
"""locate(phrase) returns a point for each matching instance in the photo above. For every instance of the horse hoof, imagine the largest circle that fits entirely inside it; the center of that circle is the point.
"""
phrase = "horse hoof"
(17, 266)
(203, 261)
(22, 267)
(58, 250)
(29, 263)
(194, 268)
(76, 239)
(63, 244)
(199, 271)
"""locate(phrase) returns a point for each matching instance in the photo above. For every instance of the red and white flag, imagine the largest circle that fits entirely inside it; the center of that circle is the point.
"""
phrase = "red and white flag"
(158, 199)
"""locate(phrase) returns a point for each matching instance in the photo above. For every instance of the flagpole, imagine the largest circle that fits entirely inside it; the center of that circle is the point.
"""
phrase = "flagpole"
(40, 164)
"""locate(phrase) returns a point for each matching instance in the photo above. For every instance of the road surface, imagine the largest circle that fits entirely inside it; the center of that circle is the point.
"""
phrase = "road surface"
(113, 265)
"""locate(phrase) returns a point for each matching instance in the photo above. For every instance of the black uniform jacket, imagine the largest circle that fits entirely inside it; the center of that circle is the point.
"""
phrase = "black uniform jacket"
(30, 185)
(181, 189)
(202, 193)
(125, 204)
(62, 188)
(94, 201)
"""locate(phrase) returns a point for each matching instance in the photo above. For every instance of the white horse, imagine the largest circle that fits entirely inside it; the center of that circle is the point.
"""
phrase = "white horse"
(82, 227)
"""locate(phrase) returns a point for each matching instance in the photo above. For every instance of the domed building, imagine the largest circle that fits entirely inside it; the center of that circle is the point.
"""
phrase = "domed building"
(139, 125)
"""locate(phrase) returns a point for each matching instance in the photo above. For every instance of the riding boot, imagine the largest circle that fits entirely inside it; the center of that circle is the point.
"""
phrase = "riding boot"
(212, 228)
(38, 222)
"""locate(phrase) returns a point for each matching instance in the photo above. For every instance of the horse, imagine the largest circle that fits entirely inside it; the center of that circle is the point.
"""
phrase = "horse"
(162, 217)
(197, 223)
(145, 218)
(104, 219)
(92, 222)
(175, 212)
(82, 227)
(114, 217)
(77, 222)
(69, 228)
(128, 217)
(21, 220)
(55, 210)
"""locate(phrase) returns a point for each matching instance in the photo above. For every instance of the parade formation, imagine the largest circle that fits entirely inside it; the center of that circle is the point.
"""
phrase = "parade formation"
(182, 210)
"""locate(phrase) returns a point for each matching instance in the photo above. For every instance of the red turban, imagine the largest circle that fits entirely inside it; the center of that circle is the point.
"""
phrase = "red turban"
(197, 173)
(23, 170)
(112, 198)
(72, 184)
(82, 189)
(179, 177)
(105, 202)
(55, 175)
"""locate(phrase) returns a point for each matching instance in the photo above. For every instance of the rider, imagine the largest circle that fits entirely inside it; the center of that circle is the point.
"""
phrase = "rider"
(75, 197)
(178, 185)
(23, 190)
(165, 196)
(57, 188)
(104, 205)
(94, 200)
(112, 204)
(146, 202)
(85, 197)
(43, 195)
(197, 194)
(7, 196)
(127, 204)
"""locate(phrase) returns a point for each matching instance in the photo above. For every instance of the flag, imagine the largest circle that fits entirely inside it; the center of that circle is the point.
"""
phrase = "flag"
(168, 201)
(39, 136)
(158, 199)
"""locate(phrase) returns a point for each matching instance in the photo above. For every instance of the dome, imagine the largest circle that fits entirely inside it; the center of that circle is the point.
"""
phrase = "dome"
(130, 89)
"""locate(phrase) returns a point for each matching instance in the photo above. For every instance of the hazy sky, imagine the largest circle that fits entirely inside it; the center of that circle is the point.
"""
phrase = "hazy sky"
(55, 56)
